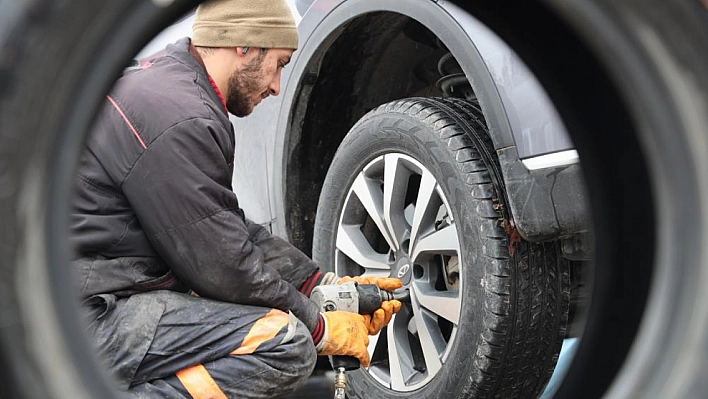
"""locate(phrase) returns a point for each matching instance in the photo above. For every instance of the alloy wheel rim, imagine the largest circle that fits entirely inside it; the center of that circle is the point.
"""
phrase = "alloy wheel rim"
(396, 221)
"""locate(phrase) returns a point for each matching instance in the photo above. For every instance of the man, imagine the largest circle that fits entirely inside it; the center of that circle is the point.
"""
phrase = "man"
(185, 296)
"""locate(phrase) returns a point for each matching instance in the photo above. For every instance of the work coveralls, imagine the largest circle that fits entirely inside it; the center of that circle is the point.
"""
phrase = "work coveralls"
(156, 223)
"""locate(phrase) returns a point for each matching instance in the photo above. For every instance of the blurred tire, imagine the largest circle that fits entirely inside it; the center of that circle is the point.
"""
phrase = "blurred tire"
(58, 58)
(629, 81)
(627, 77)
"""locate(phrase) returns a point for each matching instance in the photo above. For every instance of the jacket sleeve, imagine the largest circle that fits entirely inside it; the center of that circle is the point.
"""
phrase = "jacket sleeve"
(293, 266)
(180, 189)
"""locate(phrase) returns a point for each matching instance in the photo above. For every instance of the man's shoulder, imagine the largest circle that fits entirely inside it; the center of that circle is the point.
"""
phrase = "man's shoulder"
(165, 94)
(165, 84)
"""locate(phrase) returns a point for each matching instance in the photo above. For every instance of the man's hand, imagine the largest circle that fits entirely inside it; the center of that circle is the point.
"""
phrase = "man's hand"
(346, 335)
(382, 316)
(385, 283)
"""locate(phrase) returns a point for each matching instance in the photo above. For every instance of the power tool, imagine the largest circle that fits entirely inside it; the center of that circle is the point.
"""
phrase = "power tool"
(350, 297)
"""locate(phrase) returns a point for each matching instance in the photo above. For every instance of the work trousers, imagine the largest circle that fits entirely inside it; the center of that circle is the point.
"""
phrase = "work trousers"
(164, 344)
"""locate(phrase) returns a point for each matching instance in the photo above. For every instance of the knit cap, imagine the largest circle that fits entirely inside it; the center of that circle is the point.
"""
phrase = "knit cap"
(245, 23)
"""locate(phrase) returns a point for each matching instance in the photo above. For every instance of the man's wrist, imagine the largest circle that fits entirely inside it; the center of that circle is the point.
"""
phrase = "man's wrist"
(319, 332)
(311, 282)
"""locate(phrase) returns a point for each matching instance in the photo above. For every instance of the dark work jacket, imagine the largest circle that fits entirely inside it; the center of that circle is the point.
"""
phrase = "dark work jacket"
(154, 206)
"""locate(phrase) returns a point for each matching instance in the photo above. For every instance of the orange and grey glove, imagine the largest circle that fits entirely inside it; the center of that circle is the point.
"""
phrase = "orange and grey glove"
(385, 283)
(345, 334)
(382, 316)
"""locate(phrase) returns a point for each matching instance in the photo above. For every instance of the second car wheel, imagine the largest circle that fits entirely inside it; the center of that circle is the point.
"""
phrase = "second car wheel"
(415, 192)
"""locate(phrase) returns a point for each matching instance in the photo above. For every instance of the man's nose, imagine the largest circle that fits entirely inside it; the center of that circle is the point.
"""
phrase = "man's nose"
(274, 86)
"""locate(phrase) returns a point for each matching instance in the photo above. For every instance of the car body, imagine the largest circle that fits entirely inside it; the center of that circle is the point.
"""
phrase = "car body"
(353, 57)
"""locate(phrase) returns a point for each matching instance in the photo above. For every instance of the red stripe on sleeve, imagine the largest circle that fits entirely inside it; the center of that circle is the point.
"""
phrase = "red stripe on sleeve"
(125, 118)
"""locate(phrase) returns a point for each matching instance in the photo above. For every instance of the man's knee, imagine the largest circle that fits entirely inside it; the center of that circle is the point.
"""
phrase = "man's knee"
(296, 356)
(290, 354)
(271, 372)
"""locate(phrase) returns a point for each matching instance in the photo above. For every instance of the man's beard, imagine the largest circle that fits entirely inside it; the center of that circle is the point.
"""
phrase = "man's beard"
(243, 83)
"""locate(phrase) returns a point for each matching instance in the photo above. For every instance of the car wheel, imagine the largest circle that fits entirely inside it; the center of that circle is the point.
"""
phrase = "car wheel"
(415, 192)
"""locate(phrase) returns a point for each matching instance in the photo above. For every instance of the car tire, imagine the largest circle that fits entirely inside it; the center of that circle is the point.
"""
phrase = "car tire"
(512, 296)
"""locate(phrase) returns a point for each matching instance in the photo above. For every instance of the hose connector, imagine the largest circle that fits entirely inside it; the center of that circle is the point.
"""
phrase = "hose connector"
(340, 383)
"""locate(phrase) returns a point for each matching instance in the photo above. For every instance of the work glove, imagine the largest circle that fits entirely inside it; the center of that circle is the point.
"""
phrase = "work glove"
(382, 316)
(384, 283)
(345, 335)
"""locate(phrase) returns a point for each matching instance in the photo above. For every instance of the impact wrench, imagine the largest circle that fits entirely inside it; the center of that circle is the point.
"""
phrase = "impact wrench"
(351, 297)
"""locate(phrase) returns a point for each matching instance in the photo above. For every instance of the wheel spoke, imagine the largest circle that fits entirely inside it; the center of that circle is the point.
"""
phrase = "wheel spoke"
(443, 241)
(373, 340)
(395, 359)
(431, 342)
(426, 207)
(394, 193)
(352, 243)
(371, 197)
(445, 304)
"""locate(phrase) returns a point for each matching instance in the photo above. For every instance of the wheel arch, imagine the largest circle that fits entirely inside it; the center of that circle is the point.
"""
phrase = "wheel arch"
(360, 55)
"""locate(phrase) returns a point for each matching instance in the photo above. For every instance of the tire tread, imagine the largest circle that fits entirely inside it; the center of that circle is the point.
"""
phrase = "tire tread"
(529, 340)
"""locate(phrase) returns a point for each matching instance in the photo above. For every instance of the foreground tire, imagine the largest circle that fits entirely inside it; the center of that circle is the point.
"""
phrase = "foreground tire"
(415, 192)
(59, 59)
(629, 80)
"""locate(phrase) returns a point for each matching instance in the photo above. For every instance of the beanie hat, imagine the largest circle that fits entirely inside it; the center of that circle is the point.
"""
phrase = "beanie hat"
(245, 23)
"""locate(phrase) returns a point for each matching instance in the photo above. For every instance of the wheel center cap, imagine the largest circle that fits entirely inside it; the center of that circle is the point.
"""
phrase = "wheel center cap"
(403, 270)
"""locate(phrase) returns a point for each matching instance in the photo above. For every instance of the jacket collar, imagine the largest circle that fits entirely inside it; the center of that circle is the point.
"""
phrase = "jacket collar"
(183, 51)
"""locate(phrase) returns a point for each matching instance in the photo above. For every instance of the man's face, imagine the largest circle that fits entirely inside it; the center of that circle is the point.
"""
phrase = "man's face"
(258, 78)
